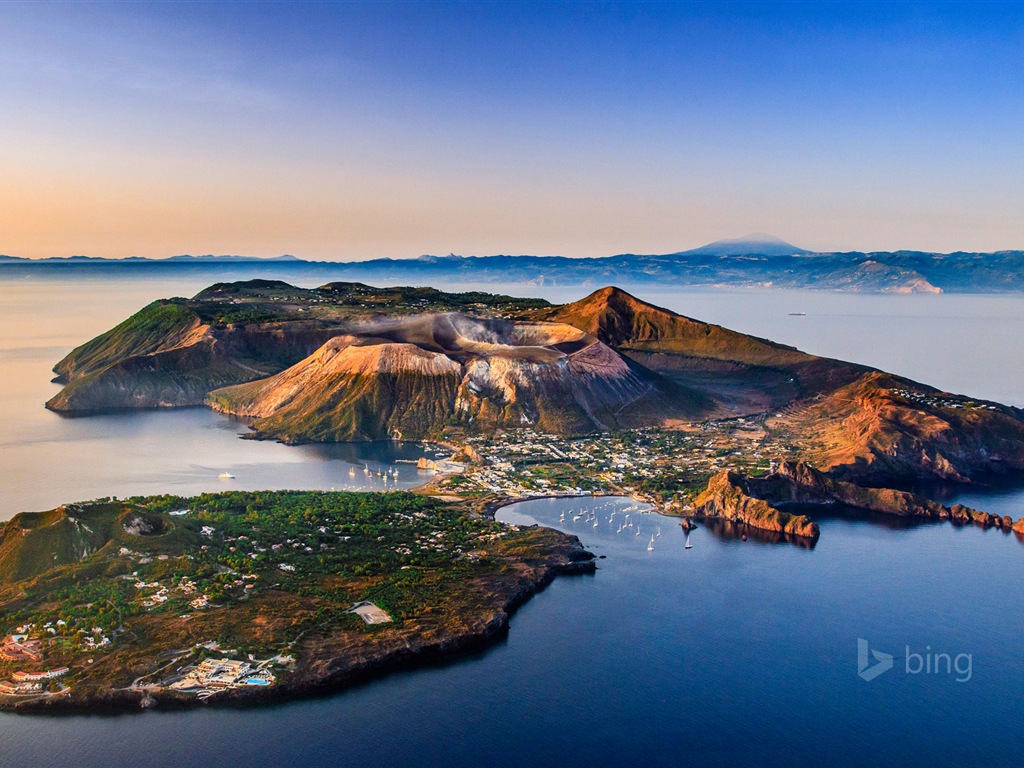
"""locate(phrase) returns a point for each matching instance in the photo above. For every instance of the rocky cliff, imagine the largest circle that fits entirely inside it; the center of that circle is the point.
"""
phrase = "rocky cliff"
(800, 482)
(728, 497)
(168, 355)
(758, 501)
(883, 428)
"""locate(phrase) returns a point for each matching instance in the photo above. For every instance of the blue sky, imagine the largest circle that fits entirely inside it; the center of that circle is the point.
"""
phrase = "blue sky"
(361, 130)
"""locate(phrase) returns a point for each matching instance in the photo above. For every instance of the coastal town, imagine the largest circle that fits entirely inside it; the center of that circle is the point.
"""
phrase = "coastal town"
(666, 468)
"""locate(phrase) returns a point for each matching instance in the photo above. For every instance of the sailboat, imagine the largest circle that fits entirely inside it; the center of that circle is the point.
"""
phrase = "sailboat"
(650, 547)
(352, 472)
(688, 544)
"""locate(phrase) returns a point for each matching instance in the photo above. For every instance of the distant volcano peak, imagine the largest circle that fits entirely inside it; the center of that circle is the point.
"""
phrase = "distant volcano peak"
(754, 244)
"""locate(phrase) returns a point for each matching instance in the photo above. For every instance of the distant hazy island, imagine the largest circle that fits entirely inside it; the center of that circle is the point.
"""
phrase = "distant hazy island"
(754, 261)
(245, 596)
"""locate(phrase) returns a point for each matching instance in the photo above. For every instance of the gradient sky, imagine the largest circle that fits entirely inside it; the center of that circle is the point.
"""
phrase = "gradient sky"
(351, 131)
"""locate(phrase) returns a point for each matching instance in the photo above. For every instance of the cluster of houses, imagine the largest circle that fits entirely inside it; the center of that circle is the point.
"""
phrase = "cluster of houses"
(524, 463)
(942, 401)
(188, 588)
(21, 647)
(95, 640)
(158, 597)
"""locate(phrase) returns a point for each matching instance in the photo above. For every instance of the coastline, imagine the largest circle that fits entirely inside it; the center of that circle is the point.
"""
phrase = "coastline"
(339, 661)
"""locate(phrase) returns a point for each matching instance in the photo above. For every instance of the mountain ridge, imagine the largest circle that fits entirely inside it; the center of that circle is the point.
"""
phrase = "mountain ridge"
(901, 271)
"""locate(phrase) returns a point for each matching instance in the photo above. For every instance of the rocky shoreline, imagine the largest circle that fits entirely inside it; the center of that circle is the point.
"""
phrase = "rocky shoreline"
(334, 662)
(757, 501)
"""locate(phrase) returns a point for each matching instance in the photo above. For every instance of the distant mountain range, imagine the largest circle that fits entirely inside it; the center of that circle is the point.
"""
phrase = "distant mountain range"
(757, 260)
(182, 259)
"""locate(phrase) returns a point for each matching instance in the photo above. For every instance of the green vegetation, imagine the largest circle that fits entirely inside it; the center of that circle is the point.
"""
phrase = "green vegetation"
(160, 325)
(406, 299)
(106, 587)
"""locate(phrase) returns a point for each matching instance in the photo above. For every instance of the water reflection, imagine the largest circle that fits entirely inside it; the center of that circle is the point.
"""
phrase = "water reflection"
(184, 452)
(607, 525)
(728, 531)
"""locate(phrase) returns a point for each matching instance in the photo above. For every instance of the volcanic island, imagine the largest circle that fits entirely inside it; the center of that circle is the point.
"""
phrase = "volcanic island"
(247, 597)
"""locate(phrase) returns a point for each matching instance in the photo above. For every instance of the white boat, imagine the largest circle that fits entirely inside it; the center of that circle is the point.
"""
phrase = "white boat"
(688, 544)
(226, 476)
(650, 547)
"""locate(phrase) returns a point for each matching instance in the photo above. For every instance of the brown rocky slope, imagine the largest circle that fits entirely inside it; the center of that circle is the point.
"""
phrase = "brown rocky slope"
(412, 377)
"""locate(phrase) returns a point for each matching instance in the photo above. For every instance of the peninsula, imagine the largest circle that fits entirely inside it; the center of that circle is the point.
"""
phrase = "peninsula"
(250, 597)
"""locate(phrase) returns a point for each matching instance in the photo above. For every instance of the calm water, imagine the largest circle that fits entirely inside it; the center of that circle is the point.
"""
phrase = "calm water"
(730, 653)
(726, 654)
(46, 459)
